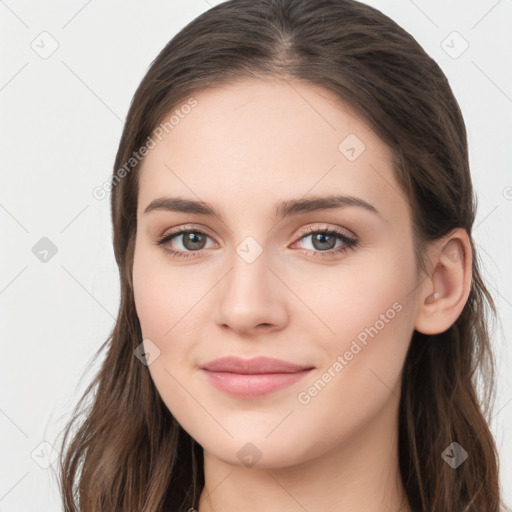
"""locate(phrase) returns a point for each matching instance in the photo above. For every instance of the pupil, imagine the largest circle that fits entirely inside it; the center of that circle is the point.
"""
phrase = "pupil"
(322, 239)
(192, 240)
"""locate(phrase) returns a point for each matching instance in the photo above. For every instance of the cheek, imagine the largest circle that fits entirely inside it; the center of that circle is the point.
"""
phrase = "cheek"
(170, 308)
(369, 320)
(346, 301)
(162, 301)
(148, 294)
(163, 296)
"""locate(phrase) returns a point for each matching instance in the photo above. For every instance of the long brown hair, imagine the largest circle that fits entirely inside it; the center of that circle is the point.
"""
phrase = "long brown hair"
(127, 452)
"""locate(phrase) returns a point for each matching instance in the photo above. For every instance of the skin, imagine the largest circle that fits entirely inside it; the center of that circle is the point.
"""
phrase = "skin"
(243, 148)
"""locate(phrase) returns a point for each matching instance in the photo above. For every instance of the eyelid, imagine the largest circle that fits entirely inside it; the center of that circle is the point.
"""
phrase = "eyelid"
(312, 228)
(315, 227)
(186, 227)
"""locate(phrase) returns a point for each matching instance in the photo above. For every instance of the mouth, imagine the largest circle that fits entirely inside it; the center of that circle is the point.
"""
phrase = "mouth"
(253, 377)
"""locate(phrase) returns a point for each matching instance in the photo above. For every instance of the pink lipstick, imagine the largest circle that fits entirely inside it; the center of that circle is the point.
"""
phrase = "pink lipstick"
(252, 377)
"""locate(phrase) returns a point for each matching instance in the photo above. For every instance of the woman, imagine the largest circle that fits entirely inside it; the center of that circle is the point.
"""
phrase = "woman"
(302, 314)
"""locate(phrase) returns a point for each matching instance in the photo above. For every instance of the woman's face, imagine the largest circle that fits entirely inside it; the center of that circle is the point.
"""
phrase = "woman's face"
(261, 278)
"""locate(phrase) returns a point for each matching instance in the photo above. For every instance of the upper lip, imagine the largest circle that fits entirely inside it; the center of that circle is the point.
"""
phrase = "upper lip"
(253, 366)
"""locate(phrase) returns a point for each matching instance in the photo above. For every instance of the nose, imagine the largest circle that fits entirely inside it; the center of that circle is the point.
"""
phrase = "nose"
(251, 297)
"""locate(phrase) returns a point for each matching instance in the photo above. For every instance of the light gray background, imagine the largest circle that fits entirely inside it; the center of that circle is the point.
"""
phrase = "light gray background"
(61, 120)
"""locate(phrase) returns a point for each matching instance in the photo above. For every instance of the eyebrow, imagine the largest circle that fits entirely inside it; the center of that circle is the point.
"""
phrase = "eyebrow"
(282, 209)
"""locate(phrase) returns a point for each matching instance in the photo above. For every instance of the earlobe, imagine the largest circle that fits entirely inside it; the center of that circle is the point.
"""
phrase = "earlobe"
(444, 294)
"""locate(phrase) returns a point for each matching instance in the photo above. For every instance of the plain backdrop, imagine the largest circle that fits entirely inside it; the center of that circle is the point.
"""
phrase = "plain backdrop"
(68, 72)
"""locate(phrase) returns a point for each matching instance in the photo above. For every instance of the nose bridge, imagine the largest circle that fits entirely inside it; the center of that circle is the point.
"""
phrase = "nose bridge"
(251, 294)
(250, 274)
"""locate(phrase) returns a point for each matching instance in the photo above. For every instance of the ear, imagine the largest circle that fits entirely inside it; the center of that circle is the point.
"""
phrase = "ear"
(445, 291)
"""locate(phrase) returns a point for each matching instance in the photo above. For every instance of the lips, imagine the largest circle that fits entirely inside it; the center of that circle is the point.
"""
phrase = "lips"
(254, 366)
(256, 377)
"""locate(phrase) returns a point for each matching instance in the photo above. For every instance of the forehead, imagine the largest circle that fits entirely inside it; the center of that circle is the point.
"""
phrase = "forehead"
(253, 141)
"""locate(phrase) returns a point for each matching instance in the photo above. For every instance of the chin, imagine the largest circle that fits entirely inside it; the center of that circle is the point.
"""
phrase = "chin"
(254, 449)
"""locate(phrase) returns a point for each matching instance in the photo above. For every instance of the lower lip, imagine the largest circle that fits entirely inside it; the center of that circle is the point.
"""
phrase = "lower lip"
(253, 385)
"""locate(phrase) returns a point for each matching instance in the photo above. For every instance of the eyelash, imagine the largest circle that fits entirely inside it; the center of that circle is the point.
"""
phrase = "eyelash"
(349, 243)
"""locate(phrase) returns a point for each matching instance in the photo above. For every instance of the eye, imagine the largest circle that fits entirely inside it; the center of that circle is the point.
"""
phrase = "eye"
(192, 240)
(324, 242)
